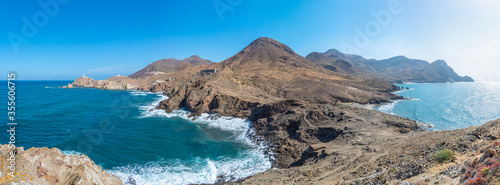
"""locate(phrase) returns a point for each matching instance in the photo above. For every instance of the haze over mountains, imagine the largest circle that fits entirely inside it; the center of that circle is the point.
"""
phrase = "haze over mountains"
(399, 69)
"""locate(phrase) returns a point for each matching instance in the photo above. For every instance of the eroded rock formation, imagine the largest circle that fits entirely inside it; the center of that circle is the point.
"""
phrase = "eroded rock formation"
(44, 166)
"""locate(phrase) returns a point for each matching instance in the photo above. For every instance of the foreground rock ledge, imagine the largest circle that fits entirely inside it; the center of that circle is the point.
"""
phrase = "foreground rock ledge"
(404, 159)
(43, 166)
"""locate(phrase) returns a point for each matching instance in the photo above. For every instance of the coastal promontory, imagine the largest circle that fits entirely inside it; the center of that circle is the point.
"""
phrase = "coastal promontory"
(309, 111)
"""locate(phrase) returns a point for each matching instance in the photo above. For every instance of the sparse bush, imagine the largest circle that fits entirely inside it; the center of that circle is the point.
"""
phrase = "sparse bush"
(392, 170)
(485, 172)
(443, 156)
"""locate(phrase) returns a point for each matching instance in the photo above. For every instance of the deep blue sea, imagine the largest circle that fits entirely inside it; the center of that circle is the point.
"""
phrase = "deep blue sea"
(124, 133)
(448, 106)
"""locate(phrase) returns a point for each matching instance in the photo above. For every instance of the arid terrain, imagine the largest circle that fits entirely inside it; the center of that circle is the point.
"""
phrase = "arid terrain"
(301, 108)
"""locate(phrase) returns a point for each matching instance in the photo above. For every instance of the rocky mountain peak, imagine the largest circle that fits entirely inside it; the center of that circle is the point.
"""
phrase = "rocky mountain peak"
(333, 53)
(266, 52)
(195, 57)
(266, 40)
(263, 44)
(440, 62)
(400, 57)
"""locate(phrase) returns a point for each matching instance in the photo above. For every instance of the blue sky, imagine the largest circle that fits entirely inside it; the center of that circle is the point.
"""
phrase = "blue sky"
(101, 38)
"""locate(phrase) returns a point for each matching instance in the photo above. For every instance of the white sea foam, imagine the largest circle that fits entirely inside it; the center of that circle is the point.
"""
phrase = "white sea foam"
(403, 90)
(150, 110)
(204, 170)
(139, 93)
(409, 83)
(388, 108)
(71, 152)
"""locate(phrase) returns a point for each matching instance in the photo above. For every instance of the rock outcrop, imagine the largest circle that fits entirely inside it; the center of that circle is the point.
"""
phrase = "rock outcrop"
(43, 166)
(88, 82)
(373, 157)
(296, 128)
(201, 97)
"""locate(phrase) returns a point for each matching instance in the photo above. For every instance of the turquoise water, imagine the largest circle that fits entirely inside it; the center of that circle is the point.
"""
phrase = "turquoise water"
(122, 132)
(448, 106)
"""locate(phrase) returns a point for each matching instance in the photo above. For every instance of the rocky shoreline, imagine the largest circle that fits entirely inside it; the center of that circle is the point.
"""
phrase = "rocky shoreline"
(312, 140)
(327, 143)
(315, 119)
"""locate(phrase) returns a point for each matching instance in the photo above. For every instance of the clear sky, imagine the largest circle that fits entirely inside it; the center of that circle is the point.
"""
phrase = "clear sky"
(101, 38)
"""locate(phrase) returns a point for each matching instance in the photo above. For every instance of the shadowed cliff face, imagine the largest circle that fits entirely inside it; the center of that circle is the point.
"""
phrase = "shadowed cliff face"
(396, 69)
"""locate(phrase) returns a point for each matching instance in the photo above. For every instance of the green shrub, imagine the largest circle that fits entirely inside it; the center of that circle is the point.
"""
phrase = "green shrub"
(443, 156)
(392, 170)
(485, 172)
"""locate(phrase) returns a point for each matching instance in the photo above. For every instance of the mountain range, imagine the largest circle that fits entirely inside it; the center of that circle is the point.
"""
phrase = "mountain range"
(399, 69)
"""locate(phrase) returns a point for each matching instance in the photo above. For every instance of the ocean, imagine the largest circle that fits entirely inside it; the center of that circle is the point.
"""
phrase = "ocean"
(123, 132)
(447, 106)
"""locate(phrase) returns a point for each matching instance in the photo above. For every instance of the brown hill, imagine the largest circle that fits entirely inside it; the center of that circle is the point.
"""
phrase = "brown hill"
(168, 66)
(266, 52)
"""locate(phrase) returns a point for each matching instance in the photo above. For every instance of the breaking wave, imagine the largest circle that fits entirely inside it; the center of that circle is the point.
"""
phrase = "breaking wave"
(198, 170)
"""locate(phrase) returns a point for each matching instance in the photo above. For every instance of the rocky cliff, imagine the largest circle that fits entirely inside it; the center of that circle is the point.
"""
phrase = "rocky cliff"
(43, 166)
(298, 106)
(464, 156)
